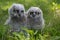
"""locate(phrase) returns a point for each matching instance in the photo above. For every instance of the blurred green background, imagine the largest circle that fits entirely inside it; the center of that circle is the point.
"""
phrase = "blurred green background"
(51, 13)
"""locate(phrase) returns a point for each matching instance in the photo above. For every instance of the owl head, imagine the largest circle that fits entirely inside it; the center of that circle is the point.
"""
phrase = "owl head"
(16, 10)
(34, 12)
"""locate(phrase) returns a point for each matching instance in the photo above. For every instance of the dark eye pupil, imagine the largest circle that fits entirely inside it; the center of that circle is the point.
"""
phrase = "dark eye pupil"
(17, 11)
(37, 13)
(13, 10)
(22, 11)
(31, 13)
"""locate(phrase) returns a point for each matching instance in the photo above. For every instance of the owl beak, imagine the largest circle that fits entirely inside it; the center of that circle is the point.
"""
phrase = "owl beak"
(34, 15)
(15, 15)
(19, 14)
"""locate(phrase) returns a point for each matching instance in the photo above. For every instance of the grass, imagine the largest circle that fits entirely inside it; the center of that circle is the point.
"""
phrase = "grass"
(51, 13)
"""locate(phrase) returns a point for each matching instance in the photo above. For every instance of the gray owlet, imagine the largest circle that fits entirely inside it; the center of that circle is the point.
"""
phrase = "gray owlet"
(17, 18)
(35, 18)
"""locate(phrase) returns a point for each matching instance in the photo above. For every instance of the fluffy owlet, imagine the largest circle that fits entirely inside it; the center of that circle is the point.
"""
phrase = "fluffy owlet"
(17, 18)
(35, 18)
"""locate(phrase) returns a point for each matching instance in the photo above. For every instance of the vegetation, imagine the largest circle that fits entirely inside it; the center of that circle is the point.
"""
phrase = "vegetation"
(51, 13)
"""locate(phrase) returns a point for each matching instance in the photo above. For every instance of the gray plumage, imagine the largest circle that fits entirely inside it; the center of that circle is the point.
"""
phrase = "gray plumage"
(35, 18)
(17, 18)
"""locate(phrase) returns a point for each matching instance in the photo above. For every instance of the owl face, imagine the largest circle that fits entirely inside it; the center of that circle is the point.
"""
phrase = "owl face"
(17, 10)
(34, 12)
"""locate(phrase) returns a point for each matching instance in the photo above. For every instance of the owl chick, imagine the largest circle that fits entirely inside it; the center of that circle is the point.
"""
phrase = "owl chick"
(35, 18)
(17, 18)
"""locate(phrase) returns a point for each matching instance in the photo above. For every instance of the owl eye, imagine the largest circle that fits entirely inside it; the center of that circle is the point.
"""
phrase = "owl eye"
(17, 11)
(22, 11)
(37, 13)
(31, 13)
(14, 10)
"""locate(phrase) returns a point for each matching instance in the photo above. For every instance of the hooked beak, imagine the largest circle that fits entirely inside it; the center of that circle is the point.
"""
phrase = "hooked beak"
(16, 15)
(33, 15)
